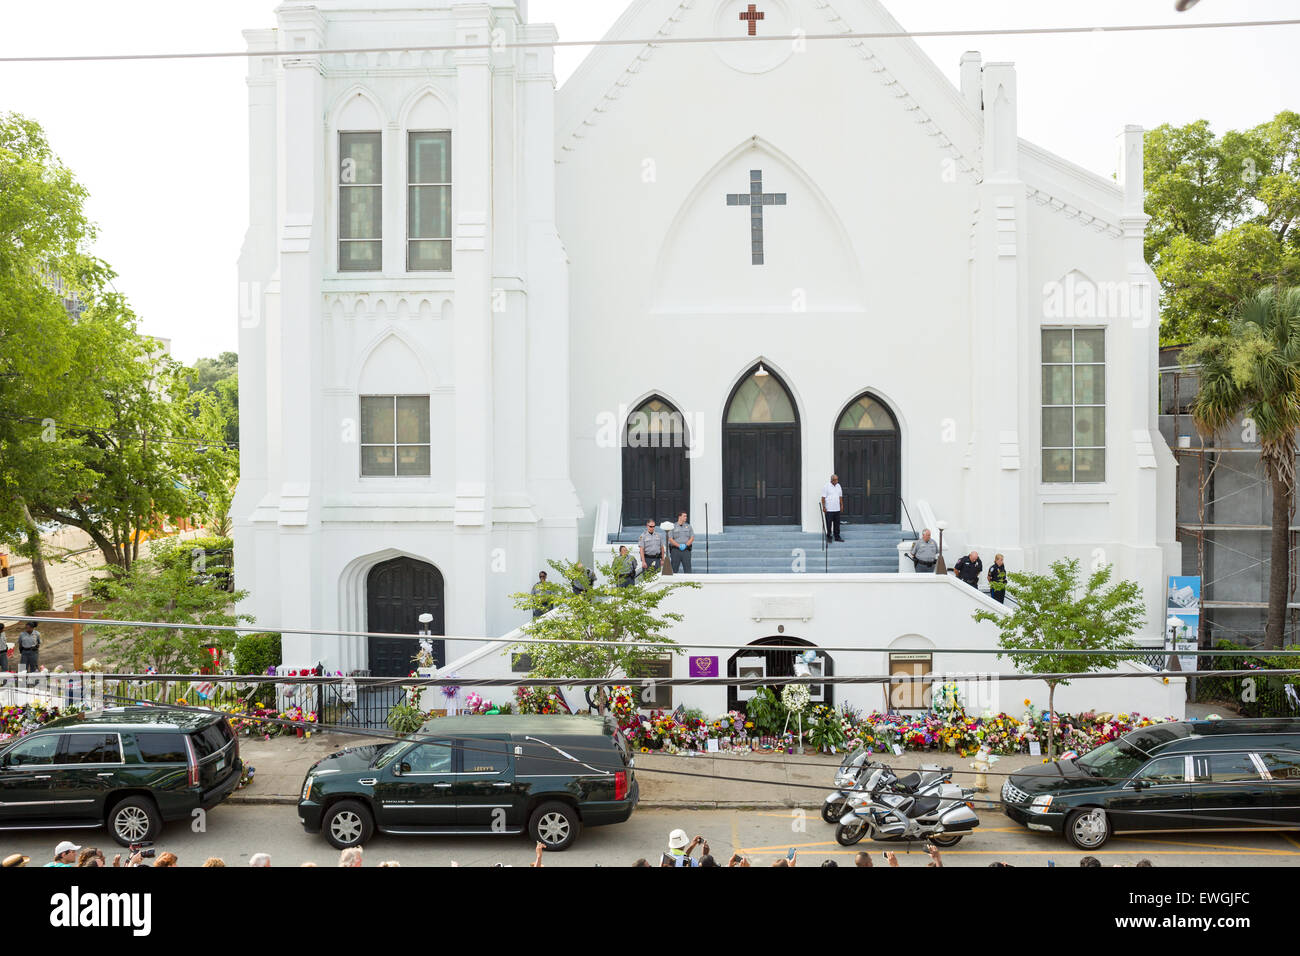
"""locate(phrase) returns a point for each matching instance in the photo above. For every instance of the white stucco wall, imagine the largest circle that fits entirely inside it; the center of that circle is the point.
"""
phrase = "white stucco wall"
(889, 612)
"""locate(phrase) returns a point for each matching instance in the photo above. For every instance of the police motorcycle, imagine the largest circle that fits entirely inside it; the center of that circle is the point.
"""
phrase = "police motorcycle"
(885, 807)
(856, 766)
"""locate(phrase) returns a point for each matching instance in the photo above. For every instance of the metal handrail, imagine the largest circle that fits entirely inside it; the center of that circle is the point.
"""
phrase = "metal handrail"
(706, 537)
(826, 533)
(909, 516)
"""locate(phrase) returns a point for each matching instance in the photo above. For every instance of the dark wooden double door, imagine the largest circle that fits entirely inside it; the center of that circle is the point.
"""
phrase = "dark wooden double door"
(868, 466)
(761, 474)
(656, 484)
(397, 593)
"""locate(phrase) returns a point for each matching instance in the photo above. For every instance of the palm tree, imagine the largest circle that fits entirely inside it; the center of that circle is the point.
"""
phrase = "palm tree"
(1255, 370)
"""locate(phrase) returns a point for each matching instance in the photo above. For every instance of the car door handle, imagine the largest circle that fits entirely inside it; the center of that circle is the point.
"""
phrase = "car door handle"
(441, 785)
(107, 773)
(45, 777)
(501, 783)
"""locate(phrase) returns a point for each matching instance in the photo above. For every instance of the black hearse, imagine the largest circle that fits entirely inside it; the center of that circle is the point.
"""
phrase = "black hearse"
(1190, 775)
(548, 776)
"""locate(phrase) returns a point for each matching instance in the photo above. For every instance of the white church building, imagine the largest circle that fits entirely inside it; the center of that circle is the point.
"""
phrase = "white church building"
(486, 322)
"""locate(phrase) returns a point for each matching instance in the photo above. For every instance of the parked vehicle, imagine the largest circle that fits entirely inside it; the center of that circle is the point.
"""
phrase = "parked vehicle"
(548, 776)
(1190, 775)
(856, 767)
(886, 807)
(130, 768)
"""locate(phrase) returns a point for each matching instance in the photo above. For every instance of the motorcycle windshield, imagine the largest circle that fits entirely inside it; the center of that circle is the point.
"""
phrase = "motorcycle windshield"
(854, 760)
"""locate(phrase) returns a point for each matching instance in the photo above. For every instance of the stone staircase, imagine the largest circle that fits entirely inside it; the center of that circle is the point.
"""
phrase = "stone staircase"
(771, 550)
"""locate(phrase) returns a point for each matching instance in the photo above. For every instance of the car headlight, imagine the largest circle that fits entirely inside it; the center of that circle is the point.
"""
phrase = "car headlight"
(1041, 804)
(306, 788)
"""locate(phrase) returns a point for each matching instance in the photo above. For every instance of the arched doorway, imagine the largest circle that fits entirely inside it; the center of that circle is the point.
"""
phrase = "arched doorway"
(656, 464)
(867, 459)
(755, 660)
(760, 452)
(397, 593)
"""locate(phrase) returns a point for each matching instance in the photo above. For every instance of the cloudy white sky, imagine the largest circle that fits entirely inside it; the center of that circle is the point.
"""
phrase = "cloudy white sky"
(162, 145)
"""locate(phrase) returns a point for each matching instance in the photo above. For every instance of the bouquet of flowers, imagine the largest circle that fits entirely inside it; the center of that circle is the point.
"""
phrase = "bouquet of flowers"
(539, 700)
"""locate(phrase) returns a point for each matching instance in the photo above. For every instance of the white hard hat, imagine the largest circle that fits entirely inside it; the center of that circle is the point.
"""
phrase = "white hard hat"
(677, 840)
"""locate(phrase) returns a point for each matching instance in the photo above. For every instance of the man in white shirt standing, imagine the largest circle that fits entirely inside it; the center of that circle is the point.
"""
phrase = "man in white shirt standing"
(832, 497)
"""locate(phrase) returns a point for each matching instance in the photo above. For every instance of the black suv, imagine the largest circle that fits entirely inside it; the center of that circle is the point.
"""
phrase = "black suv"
(1184, 776)
(548, 775)
(129, 768)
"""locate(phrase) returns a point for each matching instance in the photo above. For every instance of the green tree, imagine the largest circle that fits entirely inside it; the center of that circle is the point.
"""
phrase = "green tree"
(219, 377)
(1224, 216)
(583, 610)
(1055, 612)
(44, 233)
(97, 429)
(142, 446)
(168, 588)
(1254, 369)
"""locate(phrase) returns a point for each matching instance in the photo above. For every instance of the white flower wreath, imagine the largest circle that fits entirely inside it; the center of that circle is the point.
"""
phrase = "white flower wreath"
(796, 697)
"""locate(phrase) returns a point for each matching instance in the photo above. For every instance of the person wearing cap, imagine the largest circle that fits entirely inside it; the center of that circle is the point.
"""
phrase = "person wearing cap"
(15, 860)
(65, 854)
(680, 849)
(29, 647)
(651, 546)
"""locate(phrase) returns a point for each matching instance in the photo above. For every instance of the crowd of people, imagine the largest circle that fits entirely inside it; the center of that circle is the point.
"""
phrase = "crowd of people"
(680, 853)
(69, 854)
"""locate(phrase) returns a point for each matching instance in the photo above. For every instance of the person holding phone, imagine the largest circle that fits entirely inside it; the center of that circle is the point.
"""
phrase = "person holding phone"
(680, 849)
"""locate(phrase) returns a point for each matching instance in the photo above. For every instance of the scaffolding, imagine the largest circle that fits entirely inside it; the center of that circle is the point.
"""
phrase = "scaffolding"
(1214, 457)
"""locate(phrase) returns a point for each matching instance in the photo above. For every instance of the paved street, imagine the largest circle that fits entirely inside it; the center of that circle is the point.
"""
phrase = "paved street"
(235, 832)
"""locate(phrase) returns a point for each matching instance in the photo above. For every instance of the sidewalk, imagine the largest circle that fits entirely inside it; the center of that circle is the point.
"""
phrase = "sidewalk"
(676, 782)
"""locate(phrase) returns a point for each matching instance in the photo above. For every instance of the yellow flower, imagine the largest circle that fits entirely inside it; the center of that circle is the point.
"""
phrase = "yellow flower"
(1026, 701)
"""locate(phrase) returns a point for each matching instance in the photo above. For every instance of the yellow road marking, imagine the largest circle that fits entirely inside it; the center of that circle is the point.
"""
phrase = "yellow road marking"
(1209, 846)
(1290, 839)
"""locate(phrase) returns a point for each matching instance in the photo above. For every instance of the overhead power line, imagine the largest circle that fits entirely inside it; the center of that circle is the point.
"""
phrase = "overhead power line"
(463, 744)
(658, 41)
(652, 644)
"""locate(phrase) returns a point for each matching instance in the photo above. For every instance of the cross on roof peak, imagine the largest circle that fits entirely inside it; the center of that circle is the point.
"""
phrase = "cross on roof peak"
(753, 15)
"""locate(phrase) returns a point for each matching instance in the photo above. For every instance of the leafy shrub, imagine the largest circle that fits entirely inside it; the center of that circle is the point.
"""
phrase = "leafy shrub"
(256, 653)
(35, 602)
(766, 711)
(1264, 696)
(99, 589)
(405, 719)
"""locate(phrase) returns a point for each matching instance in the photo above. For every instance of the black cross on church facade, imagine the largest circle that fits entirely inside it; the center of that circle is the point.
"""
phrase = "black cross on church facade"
(756, 199)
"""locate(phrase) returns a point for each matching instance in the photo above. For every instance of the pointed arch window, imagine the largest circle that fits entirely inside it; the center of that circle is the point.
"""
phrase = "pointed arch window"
(761, 400)
(866, 415)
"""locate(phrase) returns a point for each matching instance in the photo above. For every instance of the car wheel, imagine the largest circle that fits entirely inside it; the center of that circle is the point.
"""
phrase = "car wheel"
(850, 833)
(832, 810)
(555, 824)
(951, 839)
(134, 820)
(347, 823)
(1088, 829)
